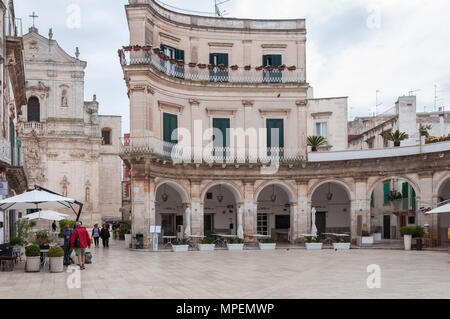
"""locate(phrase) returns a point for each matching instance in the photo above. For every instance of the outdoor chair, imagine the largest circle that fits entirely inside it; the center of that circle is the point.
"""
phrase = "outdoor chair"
(7, 258)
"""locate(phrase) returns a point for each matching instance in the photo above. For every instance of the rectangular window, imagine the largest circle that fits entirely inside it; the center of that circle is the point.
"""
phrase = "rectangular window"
(221, 136)
(274, 76)
(106, 136)
(386, 191)
(218, 59)
(321, 129)
(275, 137)
(173, 53)
(263, 224)
(170, 124)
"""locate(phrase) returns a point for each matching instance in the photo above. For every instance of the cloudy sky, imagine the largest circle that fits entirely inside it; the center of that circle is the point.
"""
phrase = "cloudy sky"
(355, 47)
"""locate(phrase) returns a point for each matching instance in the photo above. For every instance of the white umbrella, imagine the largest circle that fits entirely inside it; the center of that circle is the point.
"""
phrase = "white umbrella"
(46, 214)
(36, 199)
(440, 210)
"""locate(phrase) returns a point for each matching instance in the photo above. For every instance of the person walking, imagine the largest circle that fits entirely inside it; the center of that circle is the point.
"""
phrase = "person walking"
(67, 233)
(104, 234)
(54, 226)
(96, 235)
(80, 240)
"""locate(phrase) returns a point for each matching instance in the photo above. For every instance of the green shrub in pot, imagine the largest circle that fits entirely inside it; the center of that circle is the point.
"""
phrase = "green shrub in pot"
(268, 241)
(32, 251)
(207, 241)
(56, 251)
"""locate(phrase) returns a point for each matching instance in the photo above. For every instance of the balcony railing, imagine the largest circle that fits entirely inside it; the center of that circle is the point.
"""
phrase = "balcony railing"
(28, 127)
(139, 146)
(240, 75)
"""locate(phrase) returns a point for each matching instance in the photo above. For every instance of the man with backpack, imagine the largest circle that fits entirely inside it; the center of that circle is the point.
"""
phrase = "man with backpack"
(79, 241)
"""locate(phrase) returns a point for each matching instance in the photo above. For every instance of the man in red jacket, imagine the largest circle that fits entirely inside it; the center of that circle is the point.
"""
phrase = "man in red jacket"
(79, 241)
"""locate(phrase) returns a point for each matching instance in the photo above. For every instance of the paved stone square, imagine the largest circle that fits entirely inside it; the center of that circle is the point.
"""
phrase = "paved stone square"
(294, 273)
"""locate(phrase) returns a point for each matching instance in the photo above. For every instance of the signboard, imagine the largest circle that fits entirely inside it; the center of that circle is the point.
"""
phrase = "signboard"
(4, 188)
(155, 229)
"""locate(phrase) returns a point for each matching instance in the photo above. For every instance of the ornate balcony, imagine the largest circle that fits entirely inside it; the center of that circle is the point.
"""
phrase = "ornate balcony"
(141, 146)
(203, 73)
(5, 151)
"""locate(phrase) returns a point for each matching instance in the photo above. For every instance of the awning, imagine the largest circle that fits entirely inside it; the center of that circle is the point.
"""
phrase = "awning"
(440, 210)
(36, 199)
(47, 215)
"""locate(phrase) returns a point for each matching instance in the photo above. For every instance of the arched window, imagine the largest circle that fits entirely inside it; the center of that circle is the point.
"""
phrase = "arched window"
(34, 109)
(106, 136)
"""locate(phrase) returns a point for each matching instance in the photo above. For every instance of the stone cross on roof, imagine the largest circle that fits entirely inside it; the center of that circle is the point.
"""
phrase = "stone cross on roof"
(34, 16)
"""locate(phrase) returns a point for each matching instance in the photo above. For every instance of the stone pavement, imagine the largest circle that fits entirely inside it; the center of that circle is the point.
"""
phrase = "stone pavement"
(120, 273)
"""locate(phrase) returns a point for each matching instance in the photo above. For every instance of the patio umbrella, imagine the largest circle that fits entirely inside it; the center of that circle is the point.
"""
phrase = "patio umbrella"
(46, 214)
(36, 199)
(440, 210)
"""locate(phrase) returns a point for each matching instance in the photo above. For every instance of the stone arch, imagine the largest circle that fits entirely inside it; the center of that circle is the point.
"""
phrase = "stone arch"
(317, 185)
(416, 187)
(181, 190)
(283, 185)
(442, 182)
(235, 190)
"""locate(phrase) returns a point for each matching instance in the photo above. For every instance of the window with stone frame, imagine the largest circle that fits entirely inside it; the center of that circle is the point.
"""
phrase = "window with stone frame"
(106, 136)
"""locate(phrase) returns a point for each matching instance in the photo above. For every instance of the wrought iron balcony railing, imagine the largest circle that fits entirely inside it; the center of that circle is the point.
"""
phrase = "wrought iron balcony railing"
(140, 146)
(216, 74)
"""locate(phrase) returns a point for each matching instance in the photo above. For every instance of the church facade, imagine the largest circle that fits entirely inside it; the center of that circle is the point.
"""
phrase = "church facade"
(67, 146)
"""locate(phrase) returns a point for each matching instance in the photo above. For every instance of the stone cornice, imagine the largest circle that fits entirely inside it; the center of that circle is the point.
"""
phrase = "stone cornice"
(170, 107)
(265, 112)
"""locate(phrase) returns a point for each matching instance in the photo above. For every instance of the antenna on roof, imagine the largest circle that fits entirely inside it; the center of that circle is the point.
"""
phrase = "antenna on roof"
(411, 93)
(377, 103)
(217, 3)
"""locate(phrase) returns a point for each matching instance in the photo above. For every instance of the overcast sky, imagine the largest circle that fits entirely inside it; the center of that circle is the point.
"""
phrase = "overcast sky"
(355, 47)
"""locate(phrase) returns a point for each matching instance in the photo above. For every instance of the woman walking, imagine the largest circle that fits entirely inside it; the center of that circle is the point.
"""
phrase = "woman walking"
(104, 234)
(96, 235)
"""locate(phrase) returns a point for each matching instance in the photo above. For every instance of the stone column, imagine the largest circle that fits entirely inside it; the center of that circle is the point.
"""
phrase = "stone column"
(295, 224)
(240, 221)
(360, 206)
(303, 211)
(142, 208)
(302, 127)
(427, 196)
(249, 210)
(197, 211)
(141, 110)
(187, 224)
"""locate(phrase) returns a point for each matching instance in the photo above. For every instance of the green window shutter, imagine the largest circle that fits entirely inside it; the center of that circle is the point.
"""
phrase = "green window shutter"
(405, 190)
(170, 123)
(276, 60)
(372, 203)
(386, 189)
(223, 59)
(179, 54)
(413, 199)
(223, 125)
(275, 124)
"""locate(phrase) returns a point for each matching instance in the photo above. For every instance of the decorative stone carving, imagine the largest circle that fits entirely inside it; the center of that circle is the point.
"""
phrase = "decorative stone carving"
(64, 185)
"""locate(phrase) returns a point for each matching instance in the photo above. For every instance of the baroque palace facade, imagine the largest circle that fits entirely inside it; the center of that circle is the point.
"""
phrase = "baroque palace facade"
(220, 112)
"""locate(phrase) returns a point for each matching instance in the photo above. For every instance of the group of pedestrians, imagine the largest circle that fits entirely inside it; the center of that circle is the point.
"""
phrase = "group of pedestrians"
(102, 233)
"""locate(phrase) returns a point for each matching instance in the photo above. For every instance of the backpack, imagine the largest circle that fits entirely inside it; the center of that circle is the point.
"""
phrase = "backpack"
(88, 258)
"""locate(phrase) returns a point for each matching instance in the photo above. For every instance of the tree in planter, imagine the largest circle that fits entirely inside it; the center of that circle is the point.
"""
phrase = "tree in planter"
(23, 228)
(125, 229)
(397, 137)
(316, 141)
(424, 130)
(415, 232)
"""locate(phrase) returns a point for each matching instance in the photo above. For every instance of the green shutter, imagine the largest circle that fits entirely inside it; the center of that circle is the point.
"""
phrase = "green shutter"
(275, 124)
(372, 203)
(276, 60)
(179, 54)
(386, 189)
(170, 123)
(223, 125)
(413, 199)
(405, 190)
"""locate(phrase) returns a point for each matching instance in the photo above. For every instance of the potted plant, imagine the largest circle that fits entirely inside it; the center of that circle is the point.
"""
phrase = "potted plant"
(377, 235)
(315, 142)
(269, 68)
(259, 68)
(267, 244)
(235, 67)
(56, 255)
(16, 241)
(342, 243)
(127, 48)
(147, 48)
(397, 137)
(33, 263)
(125, 232)
(395, 198)
(211, 66)
(180, 62)
(365, 239)
(180, 245)
(42, 238)
(247, 67)
(137, 48)
(235, 244)
(313, 243)
(192, 64)
(410, 232)
(156, 50)
(201, 66)
(222, 67)
(282, 67)
(292, 68)
(206, 244)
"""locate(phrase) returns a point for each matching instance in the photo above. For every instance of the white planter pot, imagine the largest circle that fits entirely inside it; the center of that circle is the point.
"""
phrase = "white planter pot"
(377, 237)
(206, 247)
(56, 264)
(235, 247)
(33, 264)
(271, 246)
(127, 240)
(180, 248)
(314, 246)
(341, 246)
(361, 241)
(408, 240)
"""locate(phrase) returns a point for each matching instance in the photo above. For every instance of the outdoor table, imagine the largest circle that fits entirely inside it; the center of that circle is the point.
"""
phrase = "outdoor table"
(194, 240)
(169, 239)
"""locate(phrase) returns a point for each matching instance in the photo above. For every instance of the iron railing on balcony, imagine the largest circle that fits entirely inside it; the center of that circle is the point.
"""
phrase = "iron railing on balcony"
(140, 146)
(216, 74)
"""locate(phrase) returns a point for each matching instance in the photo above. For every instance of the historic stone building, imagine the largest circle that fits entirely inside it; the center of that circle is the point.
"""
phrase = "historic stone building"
(68, 147)
(193, 81)
(12, 98)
